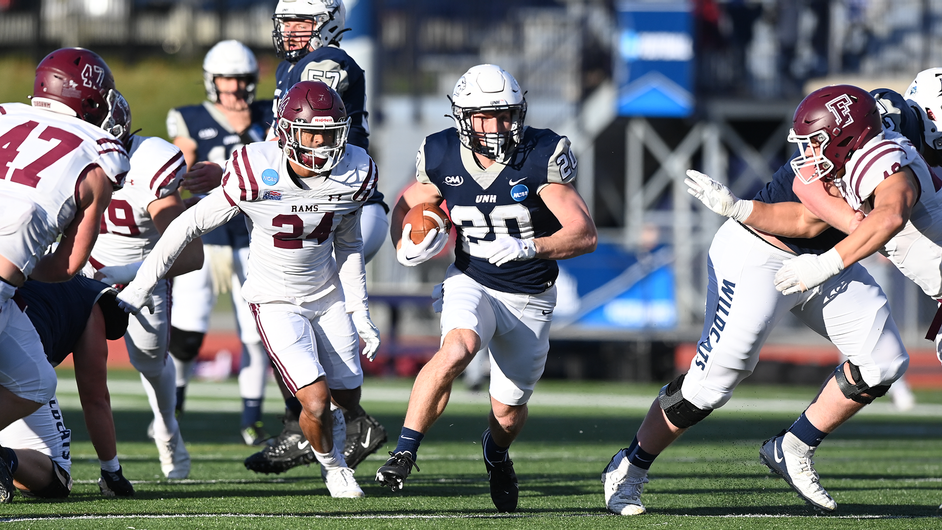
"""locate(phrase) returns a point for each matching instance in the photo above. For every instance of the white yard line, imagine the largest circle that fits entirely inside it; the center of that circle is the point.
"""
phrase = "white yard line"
(223, 397)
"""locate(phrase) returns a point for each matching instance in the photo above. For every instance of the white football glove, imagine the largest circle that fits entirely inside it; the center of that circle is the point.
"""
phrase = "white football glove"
(807, 271)
(132, 299)
(411, 254)
(506, 249)
(118, 274)
(438, 296)
(716, 196)
(367, 331)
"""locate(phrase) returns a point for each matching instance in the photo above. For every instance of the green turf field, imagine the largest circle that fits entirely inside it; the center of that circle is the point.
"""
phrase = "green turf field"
(883, 468)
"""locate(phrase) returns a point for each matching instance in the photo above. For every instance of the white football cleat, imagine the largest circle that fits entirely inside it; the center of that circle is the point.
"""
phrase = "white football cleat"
(623, 485)
(789, 457)
(174, 458)
(342, 485)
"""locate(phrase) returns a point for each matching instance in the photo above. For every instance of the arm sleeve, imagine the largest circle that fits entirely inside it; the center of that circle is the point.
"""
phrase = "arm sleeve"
(209, 213)
(348, 247)
(562, 164)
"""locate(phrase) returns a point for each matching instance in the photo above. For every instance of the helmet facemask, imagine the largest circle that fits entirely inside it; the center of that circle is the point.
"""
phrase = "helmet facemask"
(230, 59)
(245, 94)
(811, 165)
(497, 146)
(118, 120)
(320, 159)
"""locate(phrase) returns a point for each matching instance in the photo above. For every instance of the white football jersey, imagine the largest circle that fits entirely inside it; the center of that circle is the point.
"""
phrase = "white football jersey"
(128, 232)
(43, 158)
(297, 225)
(296, 222)
(915, 250)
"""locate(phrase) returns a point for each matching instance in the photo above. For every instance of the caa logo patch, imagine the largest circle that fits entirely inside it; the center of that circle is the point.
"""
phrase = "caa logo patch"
(271, 195)
(454, 180)
(270, 177)
(206, 134)
(519, 192)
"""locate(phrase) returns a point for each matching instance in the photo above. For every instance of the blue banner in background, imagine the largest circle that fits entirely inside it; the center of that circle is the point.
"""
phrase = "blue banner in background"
(654, 63)
(359, 18)
(612, 288)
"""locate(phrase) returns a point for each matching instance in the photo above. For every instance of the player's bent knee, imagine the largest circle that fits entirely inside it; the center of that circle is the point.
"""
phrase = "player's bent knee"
(185, 345)
(59, 486)
(680, 412)
(858, 390)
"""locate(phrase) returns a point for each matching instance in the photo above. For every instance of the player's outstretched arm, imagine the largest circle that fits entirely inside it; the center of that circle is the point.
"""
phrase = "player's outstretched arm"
(578, 234)
(75, 246)
(213, 211)
(163, 212)
(788, 219)
(824, 202)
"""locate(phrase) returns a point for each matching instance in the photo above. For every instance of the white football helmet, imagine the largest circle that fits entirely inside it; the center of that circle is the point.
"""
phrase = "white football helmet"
(230, 58)
(925, 95)
(328, 19)
(488, 88)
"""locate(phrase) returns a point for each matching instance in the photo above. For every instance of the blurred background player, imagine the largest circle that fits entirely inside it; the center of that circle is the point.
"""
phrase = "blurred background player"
(59, 158)
(307, 36)
(76, 317)
(500, 293)
(207, 134)
(130, 227)
(306, 283)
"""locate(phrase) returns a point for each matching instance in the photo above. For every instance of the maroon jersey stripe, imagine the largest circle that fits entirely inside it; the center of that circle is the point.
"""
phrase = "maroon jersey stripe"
(887, 148)
(369, 183)
(248, 172)
(176, 160)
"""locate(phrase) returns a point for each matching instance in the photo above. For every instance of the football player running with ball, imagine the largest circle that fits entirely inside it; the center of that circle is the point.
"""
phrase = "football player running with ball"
(500, 291)
(307, 36)
(303, 196)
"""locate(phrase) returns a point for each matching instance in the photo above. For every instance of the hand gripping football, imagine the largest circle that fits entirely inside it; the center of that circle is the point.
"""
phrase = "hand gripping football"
(425, 217)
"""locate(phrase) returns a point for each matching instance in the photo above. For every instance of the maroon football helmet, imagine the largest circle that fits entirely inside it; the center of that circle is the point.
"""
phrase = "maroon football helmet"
(315, 108)
(76, 79)
(829, 125)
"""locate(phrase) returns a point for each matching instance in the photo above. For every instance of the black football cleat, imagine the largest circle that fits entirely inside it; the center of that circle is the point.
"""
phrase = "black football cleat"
(289, 450)
(365, 436)
(113, 484)
(396, 470)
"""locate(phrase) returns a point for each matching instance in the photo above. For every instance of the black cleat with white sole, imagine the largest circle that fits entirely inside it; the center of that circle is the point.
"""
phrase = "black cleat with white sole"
(395, 471)
(289, 450)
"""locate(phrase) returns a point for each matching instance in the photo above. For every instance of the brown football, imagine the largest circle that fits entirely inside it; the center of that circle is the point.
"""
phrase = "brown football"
(425, 217)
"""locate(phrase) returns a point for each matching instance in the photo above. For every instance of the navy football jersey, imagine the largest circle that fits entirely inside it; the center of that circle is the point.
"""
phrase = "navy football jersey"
(499, 201)
(59, 312)
(333, 66)
(780, 190)
(215, 141)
